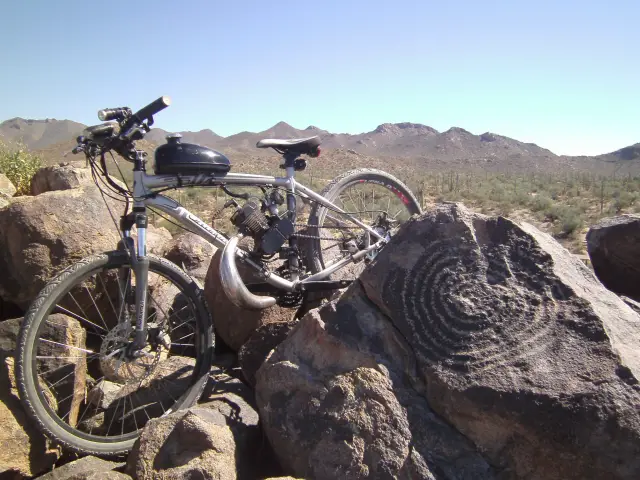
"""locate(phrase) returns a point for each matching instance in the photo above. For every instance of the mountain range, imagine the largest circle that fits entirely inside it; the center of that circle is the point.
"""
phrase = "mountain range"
(410, 144)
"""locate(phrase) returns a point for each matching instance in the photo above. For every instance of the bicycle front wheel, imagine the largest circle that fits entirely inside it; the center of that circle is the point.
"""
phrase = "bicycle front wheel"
(75, 376)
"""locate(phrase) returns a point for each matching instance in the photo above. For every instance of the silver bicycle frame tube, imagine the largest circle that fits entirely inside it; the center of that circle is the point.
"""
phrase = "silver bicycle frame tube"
(143, 193)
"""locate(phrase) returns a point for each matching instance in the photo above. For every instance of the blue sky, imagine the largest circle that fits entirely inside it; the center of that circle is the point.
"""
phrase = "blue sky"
(562, 74)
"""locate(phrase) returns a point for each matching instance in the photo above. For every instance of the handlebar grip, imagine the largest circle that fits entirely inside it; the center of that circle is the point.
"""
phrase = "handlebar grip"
(153, 108)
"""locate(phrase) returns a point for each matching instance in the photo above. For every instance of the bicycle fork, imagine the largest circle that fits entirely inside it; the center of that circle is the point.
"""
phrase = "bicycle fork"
(140, 263)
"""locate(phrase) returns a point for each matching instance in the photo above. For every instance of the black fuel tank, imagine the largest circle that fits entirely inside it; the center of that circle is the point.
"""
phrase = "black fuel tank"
(188, 159)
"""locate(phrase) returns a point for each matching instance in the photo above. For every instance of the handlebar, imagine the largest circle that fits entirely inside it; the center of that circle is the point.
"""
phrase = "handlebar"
(145, 113)
(132, 127)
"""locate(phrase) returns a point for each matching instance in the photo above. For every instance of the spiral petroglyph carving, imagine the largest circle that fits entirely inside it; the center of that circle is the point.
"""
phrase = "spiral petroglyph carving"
(478, 300)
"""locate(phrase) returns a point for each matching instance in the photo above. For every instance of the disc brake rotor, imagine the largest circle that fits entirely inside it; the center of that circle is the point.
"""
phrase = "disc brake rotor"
(117, 366)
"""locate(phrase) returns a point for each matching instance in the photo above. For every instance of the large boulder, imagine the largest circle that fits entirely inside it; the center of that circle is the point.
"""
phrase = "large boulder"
(39, 236)
(510, 339)
(337, 402)
(63, 176)
(523, 350)
(234, 325)
(191, 252)
(614, 249)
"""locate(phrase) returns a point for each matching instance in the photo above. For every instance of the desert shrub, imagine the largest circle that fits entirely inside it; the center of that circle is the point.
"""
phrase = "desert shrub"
(623, 200)
(571, 223)
(19, 165)
(540, 203)
(568, 219)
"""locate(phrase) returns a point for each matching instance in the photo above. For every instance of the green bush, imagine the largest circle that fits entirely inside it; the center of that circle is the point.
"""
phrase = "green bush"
(19, 165)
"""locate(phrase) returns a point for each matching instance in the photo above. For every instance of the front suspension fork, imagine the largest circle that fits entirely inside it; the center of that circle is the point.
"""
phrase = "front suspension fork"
(140, 263)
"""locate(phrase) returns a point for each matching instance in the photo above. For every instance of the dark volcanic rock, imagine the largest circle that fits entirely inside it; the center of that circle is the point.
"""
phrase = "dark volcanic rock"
(523, 350)
(336, 404)
(497, 328)
(255, 351)
(614, 248)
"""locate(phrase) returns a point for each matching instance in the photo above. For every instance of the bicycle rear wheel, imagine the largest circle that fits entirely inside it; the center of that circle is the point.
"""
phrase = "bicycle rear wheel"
(75, 379)
(376, 198)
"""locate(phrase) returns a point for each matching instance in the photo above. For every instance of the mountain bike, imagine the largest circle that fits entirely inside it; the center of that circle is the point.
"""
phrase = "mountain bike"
(122, 337)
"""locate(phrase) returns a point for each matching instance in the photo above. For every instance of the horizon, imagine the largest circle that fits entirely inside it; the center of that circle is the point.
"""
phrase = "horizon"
(535, 73)
(320, 128)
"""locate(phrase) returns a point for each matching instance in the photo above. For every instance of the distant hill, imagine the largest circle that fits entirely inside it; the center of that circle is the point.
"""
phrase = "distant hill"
(37, 134)
(203, 137)
(403, 145)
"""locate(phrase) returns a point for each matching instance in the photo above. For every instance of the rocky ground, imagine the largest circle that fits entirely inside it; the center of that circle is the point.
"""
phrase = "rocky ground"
(473, 347)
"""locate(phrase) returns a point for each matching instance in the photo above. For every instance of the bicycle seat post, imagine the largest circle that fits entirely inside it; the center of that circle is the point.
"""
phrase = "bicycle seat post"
(289, 166)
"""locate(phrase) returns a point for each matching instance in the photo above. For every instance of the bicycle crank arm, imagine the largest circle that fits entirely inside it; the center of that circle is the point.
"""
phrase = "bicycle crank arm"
(316, 286)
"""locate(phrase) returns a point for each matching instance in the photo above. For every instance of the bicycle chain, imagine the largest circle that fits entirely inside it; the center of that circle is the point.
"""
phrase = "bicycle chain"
(318, 237)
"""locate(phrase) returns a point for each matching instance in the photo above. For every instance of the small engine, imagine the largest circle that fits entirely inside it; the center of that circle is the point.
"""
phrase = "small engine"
(269, 233)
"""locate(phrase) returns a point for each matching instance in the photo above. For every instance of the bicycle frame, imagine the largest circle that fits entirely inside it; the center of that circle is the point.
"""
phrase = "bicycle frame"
(144, 195)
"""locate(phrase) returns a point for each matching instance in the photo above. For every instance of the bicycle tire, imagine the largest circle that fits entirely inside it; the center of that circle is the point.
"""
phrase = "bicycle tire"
(32, 400)
(315, 262)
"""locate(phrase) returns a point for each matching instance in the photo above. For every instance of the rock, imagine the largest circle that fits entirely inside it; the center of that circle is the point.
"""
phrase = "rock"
(195, 443)
(66, 368)
(9, 310)
(9, 330)
(635, 306)
(613, 245)
(7, 189)
(112, 475)
(63, 176)
(39, 236)
(231, 398)
(464, 329)
(86, 468)
(256, 350)
(235, 401)
(522, 349)
(3, 202)
(150, 398)
(103, 394)
(168, 303)
(191, 252)
(235, 325)
(218, 438)
(24, 452)
(157, 239)
(336, 402)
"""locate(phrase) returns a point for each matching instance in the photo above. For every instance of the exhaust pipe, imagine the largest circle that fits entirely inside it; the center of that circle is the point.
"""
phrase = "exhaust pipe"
(233, 285)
